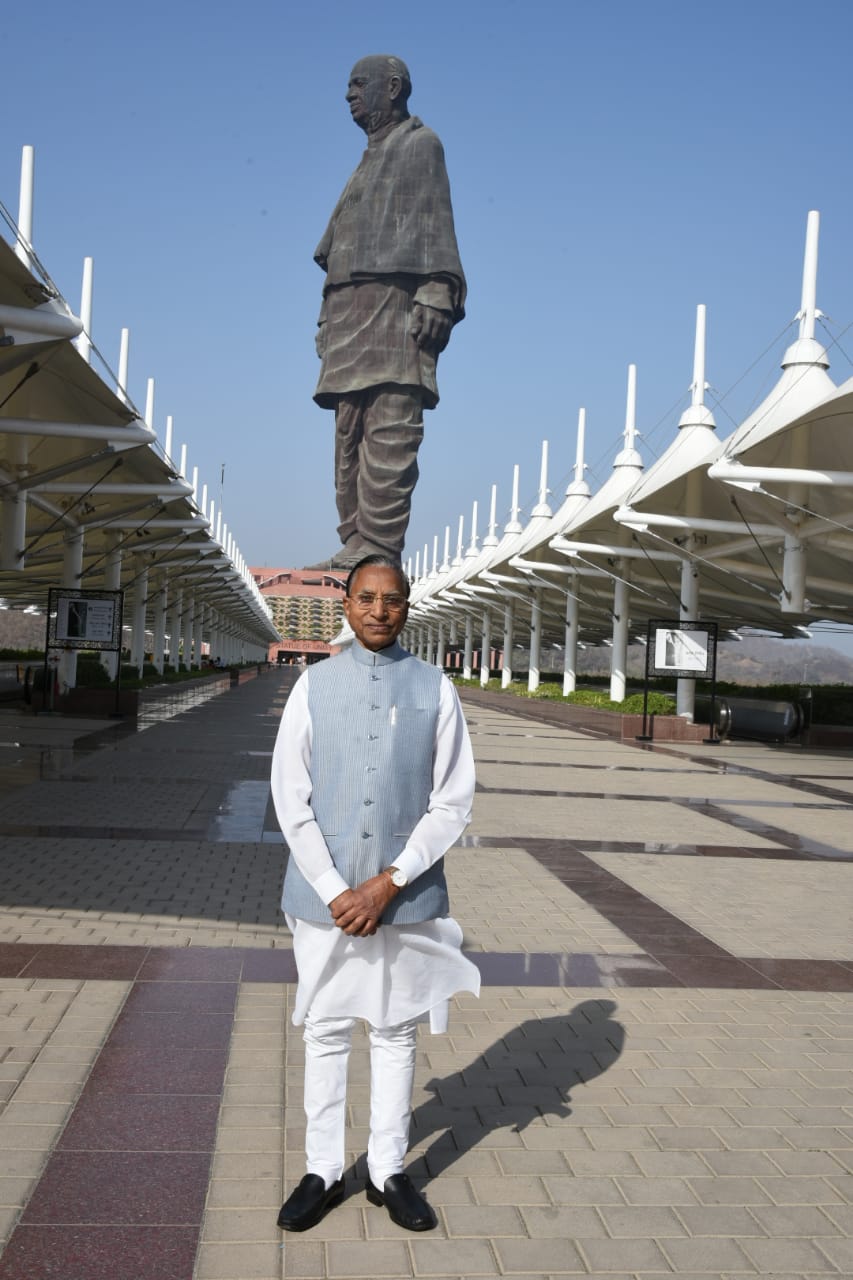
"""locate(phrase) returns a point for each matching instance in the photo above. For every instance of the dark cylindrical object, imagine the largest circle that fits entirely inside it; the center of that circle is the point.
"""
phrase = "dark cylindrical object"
(752, 718)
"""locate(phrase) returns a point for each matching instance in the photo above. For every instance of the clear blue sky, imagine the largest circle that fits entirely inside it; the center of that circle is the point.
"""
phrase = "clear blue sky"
(612, 165)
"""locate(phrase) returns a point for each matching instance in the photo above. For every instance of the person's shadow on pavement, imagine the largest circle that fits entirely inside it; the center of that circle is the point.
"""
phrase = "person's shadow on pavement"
(524, 1076)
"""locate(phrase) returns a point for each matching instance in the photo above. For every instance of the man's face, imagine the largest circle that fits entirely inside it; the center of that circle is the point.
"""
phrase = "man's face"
(377, 607)
(369, 94)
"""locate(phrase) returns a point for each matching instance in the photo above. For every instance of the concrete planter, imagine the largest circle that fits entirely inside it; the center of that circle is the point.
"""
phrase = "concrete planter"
(569, 715)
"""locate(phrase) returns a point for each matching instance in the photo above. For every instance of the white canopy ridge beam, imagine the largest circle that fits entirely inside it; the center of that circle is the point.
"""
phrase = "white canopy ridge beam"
(135, 432)
(733, 472)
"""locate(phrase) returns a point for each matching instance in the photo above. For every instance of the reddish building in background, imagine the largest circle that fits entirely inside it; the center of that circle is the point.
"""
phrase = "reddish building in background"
(306, 608)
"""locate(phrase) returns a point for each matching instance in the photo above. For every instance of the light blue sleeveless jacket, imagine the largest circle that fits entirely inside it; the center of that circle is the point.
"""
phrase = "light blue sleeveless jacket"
(373, 722)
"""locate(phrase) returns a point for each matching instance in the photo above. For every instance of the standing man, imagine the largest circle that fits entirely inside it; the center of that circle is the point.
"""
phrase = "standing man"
(372, 779)
(394, 290)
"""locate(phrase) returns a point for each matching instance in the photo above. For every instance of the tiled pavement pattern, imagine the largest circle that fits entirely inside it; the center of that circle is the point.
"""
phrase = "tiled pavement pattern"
(655, 1082)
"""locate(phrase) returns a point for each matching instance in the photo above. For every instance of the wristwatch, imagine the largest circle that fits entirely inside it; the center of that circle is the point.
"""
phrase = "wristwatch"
(398, 878)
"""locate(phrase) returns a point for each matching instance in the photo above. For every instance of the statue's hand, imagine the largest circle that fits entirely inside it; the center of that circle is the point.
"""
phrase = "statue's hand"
(320, 340)
(431, 327)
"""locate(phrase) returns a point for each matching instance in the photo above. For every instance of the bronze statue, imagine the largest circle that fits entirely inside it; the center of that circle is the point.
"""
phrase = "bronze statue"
(394, 290)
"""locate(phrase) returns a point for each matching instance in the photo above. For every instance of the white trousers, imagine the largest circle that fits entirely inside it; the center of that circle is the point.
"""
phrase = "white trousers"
(392, 1076)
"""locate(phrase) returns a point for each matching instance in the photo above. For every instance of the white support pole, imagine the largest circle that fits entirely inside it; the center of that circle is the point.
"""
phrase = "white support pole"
(428, 657)
(619, 653)
(506, 666)
(84, 341)
(72, 573)
(468, 651)
(175, 613)
(123, 361)
(167, 443)
(535, 640)
(24, 242)
(486, 649)
(570, 640)
(161, 604)
(13, 509)
(685, 695)
(198, 632)
(140, 596)
(112, 582)
(439, 650)
(421, 638)
(189, 622)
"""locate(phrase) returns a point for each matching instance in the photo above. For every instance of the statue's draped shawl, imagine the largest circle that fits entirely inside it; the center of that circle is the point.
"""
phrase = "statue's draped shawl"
(399, 215)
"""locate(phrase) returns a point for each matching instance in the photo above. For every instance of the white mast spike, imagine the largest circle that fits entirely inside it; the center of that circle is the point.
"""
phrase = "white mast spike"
(472, 546)
(542, 508)
(808, 307)
(579, 485)
(457, 559)
(698, 397)
(123, 356)
(491, 539)
(149, 405)
(24, 242)
(445, 564)
(514, 524)
(631, 408)
(84, 341)
(167, 444)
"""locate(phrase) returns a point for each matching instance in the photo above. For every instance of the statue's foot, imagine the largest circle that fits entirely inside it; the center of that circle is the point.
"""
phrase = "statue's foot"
(348, 556)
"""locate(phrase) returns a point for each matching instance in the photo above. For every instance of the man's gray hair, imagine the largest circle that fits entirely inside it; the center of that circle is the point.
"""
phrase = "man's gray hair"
(378, 560)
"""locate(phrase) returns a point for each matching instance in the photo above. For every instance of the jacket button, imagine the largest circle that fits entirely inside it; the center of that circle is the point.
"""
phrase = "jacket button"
(367, 802)
(365, 835)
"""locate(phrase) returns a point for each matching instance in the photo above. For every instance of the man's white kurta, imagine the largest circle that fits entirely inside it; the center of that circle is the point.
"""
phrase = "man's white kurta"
(402, 972)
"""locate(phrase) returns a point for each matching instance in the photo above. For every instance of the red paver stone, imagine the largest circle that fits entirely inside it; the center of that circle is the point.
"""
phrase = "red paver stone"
(64, 961)
(150, 1069)
(100, 1253)
(141, 1122)
(172, 997)
(193, 964)
(173, 1030)
(108, 1187)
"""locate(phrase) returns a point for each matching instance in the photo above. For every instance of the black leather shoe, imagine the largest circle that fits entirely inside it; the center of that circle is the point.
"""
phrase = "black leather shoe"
(310, 1202)
(405, 1205)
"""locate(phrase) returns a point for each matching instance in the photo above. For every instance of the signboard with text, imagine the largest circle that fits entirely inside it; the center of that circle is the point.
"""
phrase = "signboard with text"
(84, 619)
(684, 649)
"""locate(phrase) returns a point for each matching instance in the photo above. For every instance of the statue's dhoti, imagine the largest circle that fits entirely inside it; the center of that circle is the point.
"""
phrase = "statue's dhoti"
(378, 433)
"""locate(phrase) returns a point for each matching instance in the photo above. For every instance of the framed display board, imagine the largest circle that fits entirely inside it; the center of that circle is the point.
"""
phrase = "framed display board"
(685, 649)
(80, 619)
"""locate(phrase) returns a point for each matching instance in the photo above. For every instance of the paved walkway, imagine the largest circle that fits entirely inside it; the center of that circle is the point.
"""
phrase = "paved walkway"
(655, 1081)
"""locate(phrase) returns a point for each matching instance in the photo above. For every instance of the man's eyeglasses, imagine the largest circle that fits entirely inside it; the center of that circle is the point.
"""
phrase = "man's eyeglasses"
(367, 599)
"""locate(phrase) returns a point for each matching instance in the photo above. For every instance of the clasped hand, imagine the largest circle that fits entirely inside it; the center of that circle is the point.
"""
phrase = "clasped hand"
(358, 911)
(431, 327)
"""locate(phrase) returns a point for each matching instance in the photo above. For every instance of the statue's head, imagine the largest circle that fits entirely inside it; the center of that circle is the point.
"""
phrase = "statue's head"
(378, 91)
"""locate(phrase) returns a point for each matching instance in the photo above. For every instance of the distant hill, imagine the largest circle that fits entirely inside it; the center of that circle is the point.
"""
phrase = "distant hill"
(750, 661)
